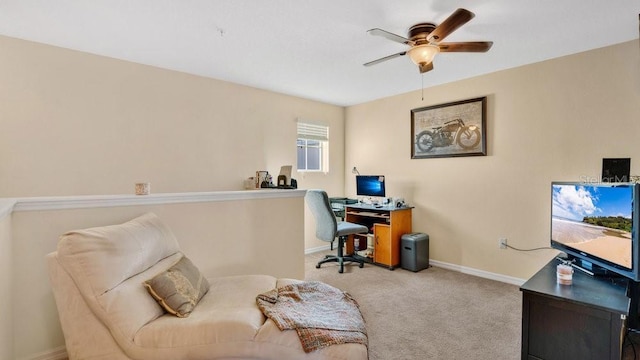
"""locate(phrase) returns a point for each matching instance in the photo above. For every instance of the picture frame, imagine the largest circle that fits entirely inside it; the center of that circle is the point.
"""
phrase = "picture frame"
(449, 130)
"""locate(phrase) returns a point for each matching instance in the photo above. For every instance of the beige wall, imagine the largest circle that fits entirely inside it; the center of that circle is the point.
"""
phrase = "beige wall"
(6, 282)
(548, 121)
(75, 123)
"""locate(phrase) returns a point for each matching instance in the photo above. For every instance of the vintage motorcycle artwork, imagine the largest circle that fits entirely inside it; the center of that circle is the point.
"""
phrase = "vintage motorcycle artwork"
(451, 132)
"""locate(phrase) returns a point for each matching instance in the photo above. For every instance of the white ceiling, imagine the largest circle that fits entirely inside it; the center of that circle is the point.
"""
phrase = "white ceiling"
(315, 49)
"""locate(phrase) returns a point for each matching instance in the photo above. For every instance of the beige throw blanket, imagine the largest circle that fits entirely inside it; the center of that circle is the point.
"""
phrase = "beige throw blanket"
(321, 314)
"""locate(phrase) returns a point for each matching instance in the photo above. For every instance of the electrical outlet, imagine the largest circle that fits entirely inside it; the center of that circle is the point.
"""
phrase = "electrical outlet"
(502, 243)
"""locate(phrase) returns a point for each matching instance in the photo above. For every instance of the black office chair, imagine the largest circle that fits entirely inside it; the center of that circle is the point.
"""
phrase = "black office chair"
(328, 228)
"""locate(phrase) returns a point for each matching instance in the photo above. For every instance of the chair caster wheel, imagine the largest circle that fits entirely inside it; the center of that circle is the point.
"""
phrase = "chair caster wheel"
(341, 271)
(318, 266)
(361, 265)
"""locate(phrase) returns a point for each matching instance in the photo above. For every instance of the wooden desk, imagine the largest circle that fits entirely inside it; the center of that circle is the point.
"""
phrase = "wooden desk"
(585, 320)
(387, 224)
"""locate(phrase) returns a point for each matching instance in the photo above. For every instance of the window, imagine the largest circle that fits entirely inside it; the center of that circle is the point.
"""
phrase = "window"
(313, 147)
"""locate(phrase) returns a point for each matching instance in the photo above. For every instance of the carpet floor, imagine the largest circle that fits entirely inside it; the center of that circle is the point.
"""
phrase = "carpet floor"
(434, 313)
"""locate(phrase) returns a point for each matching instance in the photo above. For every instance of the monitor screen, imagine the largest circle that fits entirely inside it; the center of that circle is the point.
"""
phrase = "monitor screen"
(596, 222)
(370, 185)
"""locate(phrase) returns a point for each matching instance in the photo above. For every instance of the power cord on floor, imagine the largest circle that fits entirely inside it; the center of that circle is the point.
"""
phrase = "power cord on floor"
(534, 249)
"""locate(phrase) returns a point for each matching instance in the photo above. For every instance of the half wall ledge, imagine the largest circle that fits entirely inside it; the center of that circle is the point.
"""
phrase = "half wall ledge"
(95, 201)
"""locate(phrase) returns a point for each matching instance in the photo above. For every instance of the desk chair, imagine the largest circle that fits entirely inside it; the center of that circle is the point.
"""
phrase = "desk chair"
(328, 228)
(338, 212)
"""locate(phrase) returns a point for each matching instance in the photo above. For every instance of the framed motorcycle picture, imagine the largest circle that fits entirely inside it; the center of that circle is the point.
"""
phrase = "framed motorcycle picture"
(452, 129)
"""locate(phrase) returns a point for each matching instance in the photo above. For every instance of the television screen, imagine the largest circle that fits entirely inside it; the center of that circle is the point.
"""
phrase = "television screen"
(597, 222)
(370, 185)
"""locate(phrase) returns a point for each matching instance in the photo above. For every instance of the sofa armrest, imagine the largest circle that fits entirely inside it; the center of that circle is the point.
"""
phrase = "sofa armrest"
(85, 336)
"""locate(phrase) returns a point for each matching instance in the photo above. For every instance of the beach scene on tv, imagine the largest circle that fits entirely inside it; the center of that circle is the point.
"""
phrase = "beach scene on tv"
(594, 219)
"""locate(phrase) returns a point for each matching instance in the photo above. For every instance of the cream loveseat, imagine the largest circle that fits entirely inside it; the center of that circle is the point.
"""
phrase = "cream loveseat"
(97, 277)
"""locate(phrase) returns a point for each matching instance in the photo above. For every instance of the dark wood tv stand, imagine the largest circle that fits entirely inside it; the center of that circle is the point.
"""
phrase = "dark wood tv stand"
(585, 320)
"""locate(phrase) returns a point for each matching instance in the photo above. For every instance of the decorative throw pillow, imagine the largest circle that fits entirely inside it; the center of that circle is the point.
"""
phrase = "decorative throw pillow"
(179, 288)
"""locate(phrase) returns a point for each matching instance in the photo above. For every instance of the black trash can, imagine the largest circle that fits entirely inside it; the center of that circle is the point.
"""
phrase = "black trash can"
(414, 252)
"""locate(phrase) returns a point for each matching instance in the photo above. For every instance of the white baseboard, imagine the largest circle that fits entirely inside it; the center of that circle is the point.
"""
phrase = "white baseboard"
(479, 273)
(59, 353)
(317, 249)
(448, 266)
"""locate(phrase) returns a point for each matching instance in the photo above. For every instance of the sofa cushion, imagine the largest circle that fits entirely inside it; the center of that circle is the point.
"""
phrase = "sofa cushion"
(179, 288)
(226, 314)
(227, 324)
(125, 249)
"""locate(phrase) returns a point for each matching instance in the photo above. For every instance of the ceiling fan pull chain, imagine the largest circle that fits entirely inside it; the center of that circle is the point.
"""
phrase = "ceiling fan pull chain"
(422, 83)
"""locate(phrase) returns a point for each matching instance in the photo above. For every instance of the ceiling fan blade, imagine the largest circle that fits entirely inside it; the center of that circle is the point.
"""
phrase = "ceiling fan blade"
(453, 22)
(469, 46)
(425, 67)
(385, 58)
(390, 36)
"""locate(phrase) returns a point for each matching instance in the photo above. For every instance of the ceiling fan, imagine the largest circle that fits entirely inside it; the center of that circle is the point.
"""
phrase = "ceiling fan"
(425, 39)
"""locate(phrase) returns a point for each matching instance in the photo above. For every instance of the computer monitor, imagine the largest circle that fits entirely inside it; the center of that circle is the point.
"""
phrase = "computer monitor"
(370, 185)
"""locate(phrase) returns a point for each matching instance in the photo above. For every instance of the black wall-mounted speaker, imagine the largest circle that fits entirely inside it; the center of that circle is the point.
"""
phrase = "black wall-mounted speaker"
(616, 170)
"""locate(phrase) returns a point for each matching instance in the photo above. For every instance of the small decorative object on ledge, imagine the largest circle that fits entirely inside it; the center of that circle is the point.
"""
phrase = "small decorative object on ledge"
(261, 176)
(454, 129)
(143, 188)
(250, 183)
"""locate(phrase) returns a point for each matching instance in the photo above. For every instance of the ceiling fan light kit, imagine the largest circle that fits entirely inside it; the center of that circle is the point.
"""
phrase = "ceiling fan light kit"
(425, 40)
(422, 55)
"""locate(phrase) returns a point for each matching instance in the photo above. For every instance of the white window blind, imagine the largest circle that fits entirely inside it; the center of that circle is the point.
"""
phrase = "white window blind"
(313, 131)
(313, 147)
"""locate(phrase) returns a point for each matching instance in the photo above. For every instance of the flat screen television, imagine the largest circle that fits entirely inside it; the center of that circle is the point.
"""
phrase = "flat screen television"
(370, 185)
(597, 225)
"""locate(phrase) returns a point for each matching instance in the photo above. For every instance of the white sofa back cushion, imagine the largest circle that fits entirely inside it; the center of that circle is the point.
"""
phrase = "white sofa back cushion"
(109, 265)
(126, 249)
